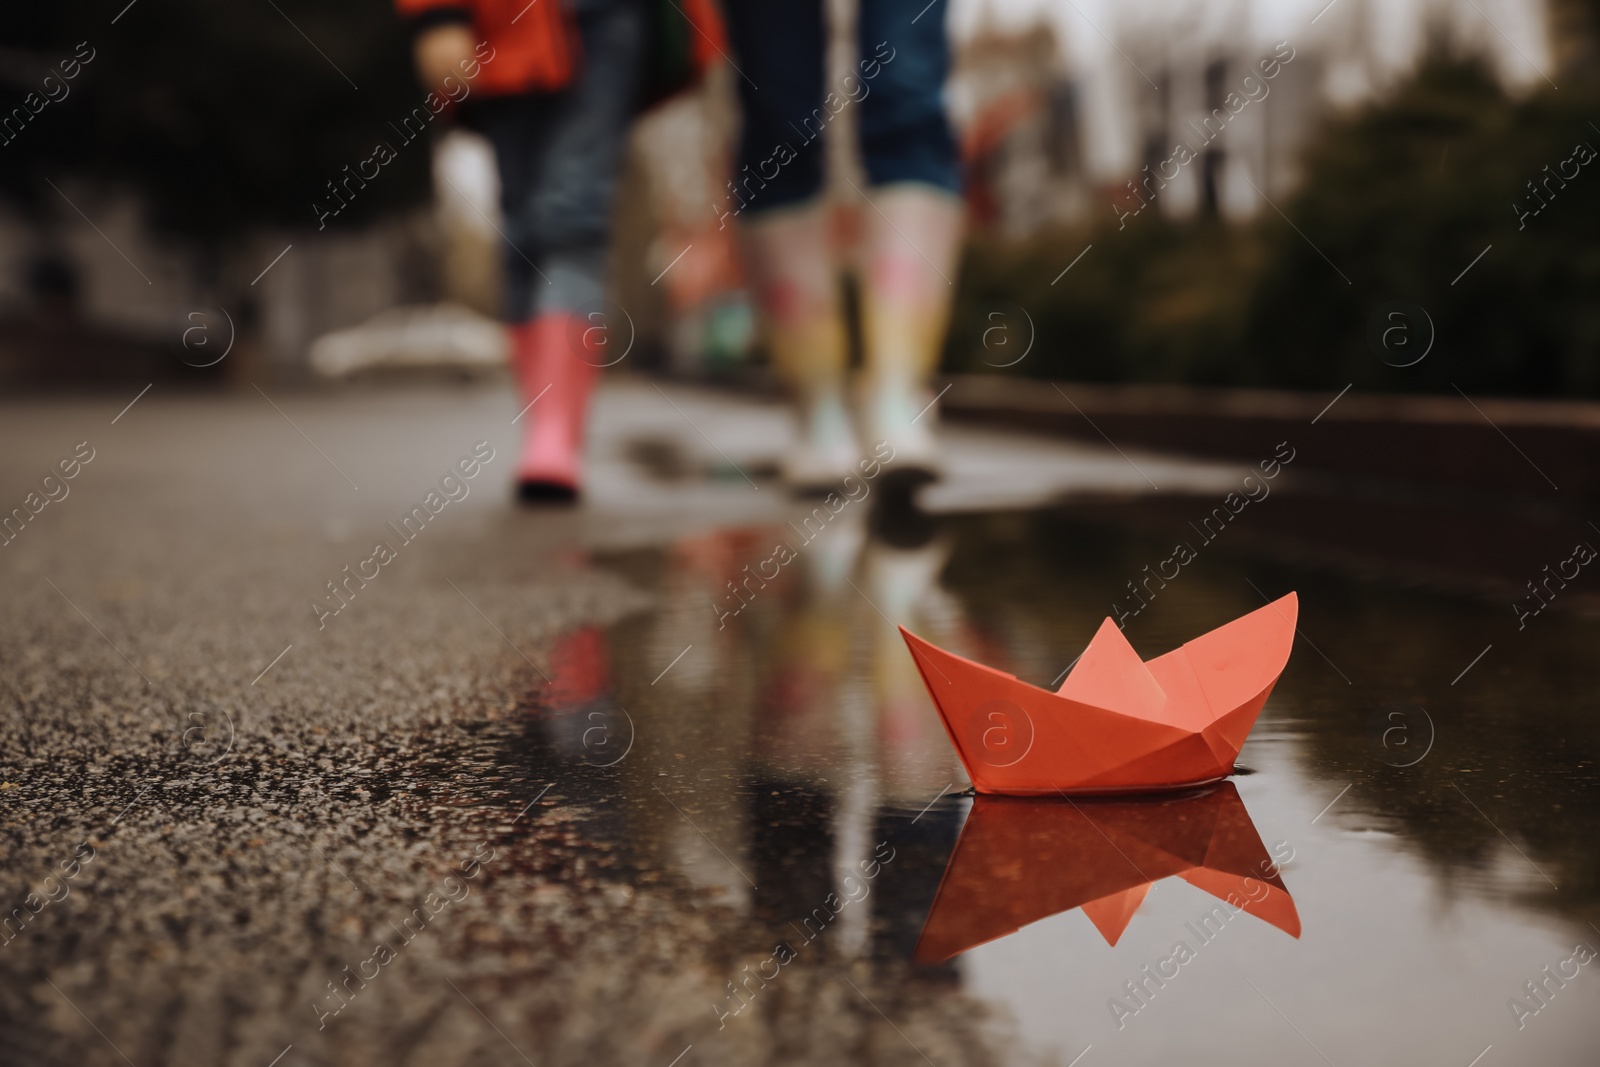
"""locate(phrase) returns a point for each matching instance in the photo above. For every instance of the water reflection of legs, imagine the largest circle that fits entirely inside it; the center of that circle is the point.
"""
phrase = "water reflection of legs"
(840, 740)
(900, 579)
(842, 689)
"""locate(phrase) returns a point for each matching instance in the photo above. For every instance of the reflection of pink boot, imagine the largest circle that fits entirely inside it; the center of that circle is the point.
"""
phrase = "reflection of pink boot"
(555, 371)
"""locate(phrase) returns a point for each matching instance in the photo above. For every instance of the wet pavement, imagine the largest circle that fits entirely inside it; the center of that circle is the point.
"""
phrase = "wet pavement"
(573, 787)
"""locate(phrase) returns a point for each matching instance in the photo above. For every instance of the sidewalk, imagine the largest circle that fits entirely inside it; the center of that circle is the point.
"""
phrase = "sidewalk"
(669, 460)
(653, 446)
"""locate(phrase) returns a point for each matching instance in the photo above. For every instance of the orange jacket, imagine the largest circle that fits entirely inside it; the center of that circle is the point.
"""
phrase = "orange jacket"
(536, 44)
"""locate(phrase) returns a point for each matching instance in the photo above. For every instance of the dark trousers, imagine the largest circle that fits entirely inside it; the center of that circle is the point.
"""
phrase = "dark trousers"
(559, 155)
(896, 87)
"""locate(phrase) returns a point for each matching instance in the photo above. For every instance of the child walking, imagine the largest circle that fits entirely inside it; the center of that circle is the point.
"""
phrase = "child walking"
(566, 78)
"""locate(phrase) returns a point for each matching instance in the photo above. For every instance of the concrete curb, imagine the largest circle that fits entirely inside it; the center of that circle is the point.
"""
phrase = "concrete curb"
(1544, 449)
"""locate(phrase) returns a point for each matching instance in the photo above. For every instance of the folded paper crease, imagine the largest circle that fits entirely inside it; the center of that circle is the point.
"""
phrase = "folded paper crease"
(1117, 723)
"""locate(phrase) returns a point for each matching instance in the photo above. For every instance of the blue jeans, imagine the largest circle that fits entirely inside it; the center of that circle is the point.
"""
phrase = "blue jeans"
(897, 85)
(558, 155)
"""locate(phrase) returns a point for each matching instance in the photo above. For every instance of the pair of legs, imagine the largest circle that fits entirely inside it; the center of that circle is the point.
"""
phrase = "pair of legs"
(911, 226)
(558, 155)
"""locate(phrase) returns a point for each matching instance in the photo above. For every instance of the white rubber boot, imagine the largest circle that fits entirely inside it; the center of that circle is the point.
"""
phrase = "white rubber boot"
(825, 451)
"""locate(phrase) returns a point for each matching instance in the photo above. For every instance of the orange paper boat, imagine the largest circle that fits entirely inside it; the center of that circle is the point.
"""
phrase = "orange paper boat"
(1117, 724)
(1020, 860)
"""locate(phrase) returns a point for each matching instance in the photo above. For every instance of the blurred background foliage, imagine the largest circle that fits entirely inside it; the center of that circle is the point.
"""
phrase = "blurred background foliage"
(223, 116)
(227, 118)
(1400, 196)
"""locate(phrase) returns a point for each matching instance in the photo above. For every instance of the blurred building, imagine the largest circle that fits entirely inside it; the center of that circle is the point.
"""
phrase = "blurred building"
(1017, 107)
(114, 295)
(1062, 98)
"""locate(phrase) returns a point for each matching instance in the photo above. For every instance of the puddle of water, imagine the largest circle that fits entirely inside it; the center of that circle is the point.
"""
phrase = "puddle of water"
(1412, 850)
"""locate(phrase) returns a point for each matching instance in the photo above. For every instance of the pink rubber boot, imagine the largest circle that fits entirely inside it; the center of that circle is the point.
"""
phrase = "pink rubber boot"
(555, 367)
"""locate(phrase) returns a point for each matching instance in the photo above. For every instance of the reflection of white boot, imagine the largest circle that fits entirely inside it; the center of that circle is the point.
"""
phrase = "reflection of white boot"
(902, 414)
(904, 582)
(832, 559)
(825, 449)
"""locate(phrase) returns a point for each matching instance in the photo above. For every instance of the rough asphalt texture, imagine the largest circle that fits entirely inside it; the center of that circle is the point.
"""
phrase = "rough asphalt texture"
(251, 839)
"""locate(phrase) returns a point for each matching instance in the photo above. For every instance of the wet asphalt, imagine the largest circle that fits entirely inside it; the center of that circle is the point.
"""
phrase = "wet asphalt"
(274, 741)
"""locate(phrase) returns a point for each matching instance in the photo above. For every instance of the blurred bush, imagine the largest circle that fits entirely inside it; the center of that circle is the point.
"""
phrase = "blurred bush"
(224, 116)
(1401, 195)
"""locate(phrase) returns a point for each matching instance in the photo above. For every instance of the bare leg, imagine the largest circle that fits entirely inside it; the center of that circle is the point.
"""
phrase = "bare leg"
(792, 259)
(912, 239)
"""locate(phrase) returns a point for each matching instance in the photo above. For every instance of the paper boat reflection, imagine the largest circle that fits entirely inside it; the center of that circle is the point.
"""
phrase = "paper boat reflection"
(1020, 860)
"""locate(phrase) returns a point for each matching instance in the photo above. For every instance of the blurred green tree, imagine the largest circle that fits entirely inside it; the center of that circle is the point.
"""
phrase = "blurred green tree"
(1401, 196)
(223, 116)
